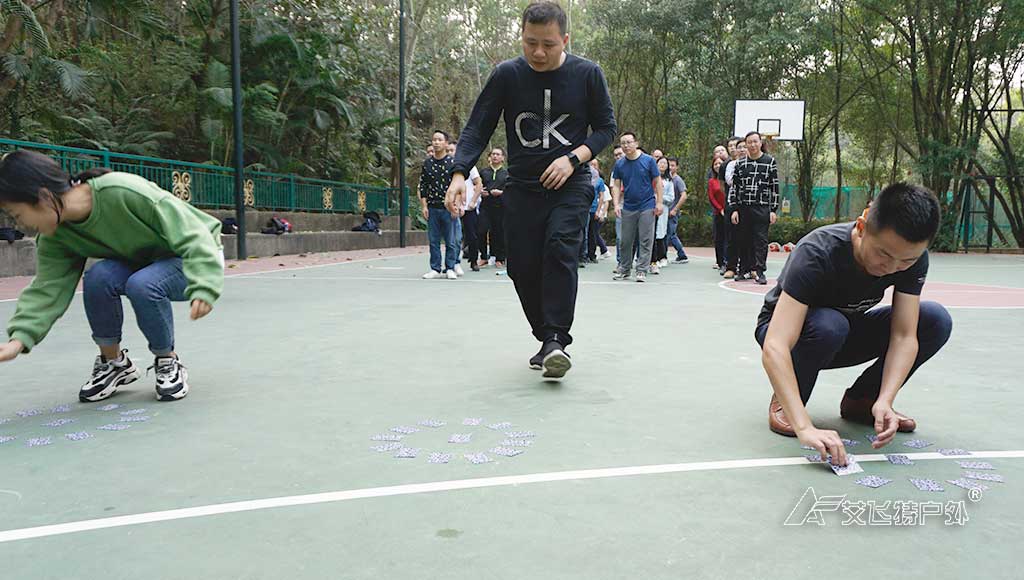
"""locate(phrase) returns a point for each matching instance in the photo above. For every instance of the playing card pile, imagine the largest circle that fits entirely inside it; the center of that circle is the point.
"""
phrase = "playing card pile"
(873, 481)
(437, 457)
(916, 443)
(926, 484)
(114, 427)
(506, 451)
(432, 423)
(109, 407)
(80, 436)
(477, 458)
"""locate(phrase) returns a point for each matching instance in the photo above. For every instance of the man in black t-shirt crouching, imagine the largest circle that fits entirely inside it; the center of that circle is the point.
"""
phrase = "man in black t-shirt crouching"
(822, 315)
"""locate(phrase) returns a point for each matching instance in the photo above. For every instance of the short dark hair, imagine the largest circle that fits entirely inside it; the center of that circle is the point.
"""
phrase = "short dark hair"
(736, 138)
(543, 12)
(631, 134)
(446, 136)
(747, 136)
(673, 160)
(912, 211)
(499, 148)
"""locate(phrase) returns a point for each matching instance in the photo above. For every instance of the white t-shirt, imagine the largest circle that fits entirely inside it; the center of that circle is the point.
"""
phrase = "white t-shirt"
(472, 200)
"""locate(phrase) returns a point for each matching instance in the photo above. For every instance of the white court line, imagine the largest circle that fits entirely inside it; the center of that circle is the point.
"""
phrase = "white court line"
(250, 274)
(498, 280)
(723, 285)
(436, 486)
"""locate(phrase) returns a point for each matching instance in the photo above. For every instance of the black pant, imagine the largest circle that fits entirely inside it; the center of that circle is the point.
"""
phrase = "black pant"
(752, 245)
(491, 230)
(469, 233)
(831, 340)
(732, 244)
(593, 235)
(718, 230)
(544, 231)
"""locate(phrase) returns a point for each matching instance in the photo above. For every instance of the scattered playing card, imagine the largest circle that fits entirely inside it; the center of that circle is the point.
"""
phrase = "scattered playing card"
(109, 407)
(506, 451)
(436, 457)
(917, 444)
(851, 467)
(29, 413)
(975, 465)
(432, 423)
(135, 419)
(807, 447)
(133, 412)
(499, 426)
(873, 481)
(39, 441)
(954, 452)
(6, 439)
(968, 484)
(985, 476)
(817, 458)
(407, 453)
(78, 436)
(517, 442)
(114, 427)
(850, 442)
(4, 420)
(386, 437)
(872, 437)
(460, 438)
(61, 409)
(405, 430)
(386, 447)
(899, 459)
(927, 484)
(58, 422)
(477, 458)
(519, 434)
(472, 421)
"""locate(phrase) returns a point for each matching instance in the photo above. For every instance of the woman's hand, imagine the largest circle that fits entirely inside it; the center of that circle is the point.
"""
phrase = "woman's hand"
(200, 308)
(10, 350)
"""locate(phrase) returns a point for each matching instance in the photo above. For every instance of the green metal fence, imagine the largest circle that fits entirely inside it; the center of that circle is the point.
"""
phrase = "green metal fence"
(855, 199)
(212, 186)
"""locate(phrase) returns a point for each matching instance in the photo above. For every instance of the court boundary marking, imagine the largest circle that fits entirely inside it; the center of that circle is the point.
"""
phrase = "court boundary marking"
(724, 286)
(438, 486)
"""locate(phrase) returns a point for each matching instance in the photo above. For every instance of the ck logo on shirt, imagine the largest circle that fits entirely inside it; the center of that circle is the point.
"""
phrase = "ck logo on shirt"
(548, 127)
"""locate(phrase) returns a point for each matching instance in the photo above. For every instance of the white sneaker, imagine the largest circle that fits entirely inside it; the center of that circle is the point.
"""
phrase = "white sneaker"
(655, 270)
(459, 271)
(663, 262)
(606, 255)
(491, 260)
(452, 275)
(433, 275)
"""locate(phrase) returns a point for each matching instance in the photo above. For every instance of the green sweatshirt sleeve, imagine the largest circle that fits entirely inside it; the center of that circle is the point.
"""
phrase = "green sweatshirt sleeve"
(189, 238)
(47, 298)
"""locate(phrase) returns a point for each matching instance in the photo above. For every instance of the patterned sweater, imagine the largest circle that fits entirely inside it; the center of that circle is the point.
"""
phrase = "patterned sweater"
(755, 183)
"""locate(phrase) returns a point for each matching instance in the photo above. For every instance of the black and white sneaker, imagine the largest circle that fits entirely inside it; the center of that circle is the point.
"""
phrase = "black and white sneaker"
(171, 378)
(107, 376)
(555, 361)
(537, 360)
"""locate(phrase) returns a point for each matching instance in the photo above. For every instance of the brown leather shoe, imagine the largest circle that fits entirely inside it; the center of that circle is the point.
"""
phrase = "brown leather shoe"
(777, 420)
(859, 411)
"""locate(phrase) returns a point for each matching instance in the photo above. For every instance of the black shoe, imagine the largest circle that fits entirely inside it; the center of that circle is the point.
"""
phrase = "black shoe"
(681, 260)
(582, 264)
(740, 277)
(721, 271)
(107, 376)
(537, 360)
(554, 360)
(473, 266)
(761, 279)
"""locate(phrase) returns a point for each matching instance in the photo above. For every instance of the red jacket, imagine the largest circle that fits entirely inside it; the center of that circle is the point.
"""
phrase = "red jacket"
(716, 194)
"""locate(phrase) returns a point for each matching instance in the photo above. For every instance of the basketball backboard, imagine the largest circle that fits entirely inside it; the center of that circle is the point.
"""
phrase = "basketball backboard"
(778, 120)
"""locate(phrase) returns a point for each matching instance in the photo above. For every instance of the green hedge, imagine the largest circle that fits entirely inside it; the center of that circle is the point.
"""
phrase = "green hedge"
(696, 230)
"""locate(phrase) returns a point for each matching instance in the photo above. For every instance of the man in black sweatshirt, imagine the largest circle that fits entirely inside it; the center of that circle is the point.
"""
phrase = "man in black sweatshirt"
(549, 100)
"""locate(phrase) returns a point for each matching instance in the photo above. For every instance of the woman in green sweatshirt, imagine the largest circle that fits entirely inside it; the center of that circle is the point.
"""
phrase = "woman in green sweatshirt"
(154, 248)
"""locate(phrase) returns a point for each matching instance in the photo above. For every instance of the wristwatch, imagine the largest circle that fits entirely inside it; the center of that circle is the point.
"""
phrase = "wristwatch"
(574, 159)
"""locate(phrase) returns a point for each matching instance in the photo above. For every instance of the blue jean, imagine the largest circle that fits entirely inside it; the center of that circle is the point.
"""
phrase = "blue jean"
(150, 289)
(673, 236)
(831, 340)
(439, 226)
